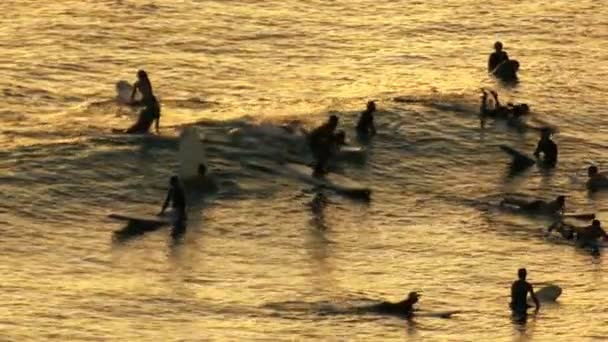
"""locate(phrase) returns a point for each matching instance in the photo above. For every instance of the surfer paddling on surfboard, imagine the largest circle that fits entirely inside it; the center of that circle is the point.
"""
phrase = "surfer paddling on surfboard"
(402, 308)
(539, 207)
(176, 197)
(519, 295)
(151, 112)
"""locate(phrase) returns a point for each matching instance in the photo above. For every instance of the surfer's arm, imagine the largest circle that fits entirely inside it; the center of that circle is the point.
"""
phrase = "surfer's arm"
(133, 92)
(167, 201)
(156, 124)
(536, 302)
(537, 151)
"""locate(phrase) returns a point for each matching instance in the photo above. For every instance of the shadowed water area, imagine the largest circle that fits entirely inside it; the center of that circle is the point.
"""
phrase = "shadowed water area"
(258, 260)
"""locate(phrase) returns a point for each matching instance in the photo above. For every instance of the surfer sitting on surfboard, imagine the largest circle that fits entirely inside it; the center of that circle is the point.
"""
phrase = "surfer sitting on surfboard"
(402, 308)
(365, 125)
(547, 147)
(519, 294)
(555, 207)
(497, 57)
(176, 197)
(151, 111)
(596, 180)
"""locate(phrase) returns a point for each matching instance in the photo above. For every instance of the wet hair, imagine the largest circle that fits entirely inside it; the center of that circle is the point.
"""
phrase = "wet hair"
(545, 132)
(522, 273)
(592, 170)
(561, 199)
(333, 120)
(596, 223)
(371, 106)
(498, 46)
(515, 65)
(174, 180)
(142, 74)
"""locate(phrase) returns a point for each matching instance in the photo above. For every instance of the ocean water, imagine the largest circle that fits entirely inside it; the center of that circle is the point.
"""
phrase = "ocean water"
(257, 261)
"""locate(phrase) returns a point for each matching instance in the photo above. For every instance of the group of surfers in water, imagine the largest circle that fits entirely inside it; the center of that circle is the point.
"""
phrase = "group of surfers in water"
(325, 140)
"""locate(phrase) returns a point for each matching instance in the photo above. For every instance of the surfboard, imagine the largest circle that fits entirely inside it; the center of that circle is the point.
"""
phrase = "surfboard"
(519, 159)
(351, 153)
(191, 153)
(141, 219)
(547, 294)
(124, 89)
(437, 314)
(336, 182)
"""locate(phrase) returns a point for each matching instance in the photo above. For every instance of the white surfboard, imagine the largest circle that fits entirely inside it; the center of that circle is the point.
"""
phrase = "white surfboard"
(351, 153)
(124, 89)
(191, 153)
(339, 183)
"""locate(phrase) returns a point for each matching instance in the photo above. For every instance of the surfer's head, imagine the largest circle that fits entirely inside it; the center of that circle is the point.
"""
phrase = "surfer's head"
(498, 46)
(522, 273)
(545, 133)
(592, 171)
(515, 65)
(142, 75)
(174, 181)
(596, 224)
(371, 106)
(333, 122)
(561, 200)
(413, 296)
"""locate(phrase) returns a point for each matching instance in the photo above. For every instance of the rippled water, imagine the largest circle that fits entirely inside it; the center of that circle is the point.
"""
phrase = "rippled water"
(254, 263)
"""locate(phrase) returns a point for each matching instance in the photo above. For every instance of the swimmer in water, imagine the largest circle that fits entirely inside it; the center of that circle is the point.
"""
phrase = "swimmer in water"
(596, 180)
(555, 207)
(177, 198)
(547, 147)
(402, 308)
(519, 294)
(497, 57)
(365, 125)
(590, 236)
(151, 111)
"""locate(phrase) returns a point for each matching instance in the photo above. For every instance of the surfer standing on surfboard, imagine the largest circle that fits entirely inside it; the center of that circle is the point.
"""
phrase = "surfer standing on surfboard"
(176, 197)
(151, 111)
(519, 294)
